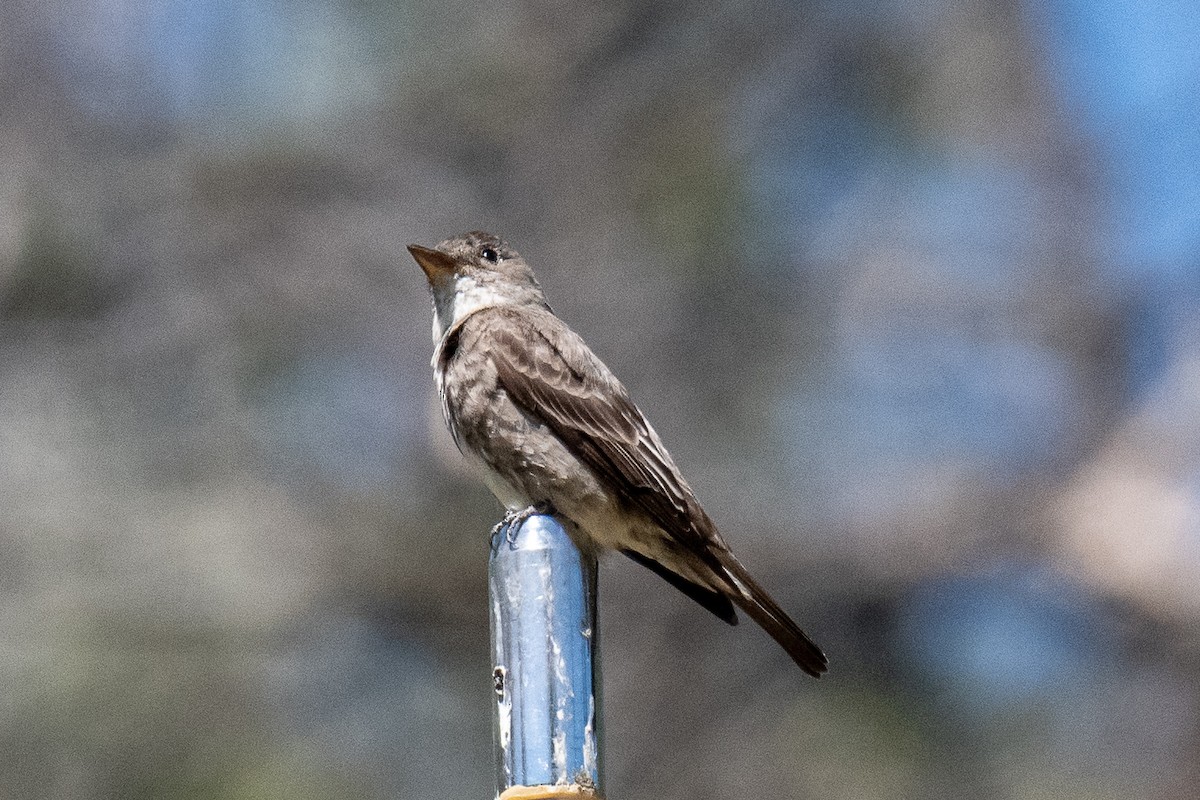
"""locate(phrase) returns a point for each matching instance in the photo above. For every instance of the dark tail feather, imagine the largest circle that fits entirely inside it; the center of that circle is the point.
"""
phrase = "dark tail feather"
(715, 602)
(754, 600)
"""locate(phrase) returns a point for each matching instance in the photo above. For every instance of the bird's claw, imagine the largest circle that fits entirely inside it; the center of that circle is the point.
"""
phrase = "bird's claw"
(499, 526)
(513, 520)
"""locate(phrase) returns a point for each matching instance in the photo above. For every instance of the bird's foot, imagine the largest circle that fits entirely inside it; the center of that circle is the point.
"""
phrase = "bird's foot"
(513, 520)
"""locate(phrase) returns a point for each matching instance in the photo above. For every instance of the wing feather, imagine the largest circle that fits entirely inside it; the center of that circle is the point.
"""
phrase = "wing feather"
(552, 375)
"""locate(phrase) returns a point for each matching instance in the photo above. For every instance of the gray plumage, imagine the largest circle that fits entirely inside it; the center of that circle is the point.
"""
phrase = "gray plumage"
(548, 423)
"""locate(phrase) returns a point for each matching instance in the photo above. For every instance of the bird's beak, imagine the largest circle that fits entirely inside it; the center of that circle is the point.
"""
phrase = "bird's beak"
(438, 266)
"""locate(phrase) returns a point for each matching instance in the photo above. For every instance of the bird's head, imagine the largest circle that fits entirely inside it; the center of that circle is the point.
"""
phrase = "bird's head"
(473, 271)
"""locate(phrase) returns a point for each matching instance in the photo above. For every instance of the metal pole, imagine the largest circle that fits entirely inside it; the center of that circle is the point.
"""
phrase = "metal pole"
(544, 646)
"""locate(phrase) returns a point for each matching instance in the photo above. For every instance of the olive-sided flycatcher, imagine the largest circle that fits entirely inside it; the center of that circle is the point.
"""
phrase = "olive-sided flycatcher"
(551, 429)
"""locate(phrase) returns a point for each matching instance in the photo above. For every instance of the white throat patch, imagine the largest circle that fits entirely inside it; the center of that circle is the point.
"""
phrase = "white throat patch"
(468, 297)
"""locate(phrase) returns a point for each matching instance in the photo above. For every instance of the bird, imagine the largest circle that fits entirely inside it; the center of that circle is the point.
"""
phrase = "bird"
(551, 429)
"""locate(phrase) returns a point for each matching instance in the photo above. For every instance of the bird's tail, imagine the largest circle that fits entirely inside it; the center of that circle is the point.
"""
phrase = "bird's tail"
(755, 601)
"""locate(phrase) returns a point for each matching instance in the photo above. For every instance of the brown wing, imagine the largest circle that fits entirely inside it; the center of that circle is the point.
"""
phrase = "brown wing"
(550, 373)
(548, 370)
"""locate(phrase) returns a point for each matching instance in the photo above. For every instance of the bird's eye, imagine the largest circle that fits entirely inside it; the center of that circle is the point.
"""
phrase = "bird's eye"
(488, 254)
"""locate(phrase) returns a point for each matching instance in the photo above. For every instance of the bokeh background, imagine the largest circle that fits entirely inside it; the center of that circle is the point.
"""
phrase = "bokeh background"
(911, 289)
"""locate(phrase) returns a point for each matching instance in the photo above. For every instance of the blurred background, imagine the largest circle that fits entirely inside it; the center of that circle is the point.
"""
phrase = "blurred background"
(911, 290)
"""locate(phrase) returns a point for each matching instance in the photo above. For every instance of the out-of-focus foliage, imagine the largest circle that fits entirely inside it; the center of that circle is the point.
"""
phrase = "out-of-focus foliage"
(912, 291)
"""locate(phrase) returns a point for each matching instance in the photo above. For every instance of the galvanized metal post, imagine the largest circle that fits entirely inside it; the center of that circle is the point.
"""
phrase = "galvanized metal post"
(544, 650)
